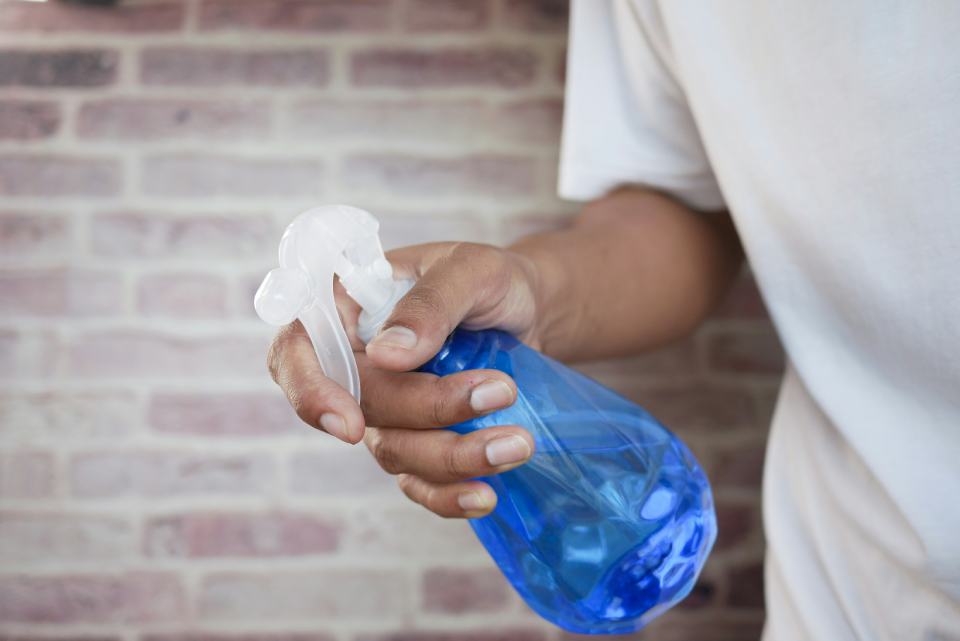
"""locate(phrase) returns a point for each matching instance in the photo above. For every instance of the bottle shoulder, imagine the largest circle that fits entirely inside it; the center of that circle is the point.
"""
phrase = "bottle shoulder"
(475, 349)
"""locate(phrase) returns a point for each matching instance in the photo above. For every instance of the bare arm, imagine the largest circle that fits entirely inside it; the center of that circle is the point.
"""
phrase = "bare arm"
(637, 270)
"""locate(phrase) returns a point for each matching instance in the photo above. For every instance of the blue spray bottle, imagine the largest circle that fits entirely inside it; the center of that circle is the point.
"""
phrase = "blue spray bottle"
(610, 522)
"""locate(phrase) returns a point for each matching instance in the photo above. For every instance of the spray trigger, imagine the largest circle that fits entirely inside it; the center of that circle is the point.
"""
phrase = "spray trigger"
(318, 244)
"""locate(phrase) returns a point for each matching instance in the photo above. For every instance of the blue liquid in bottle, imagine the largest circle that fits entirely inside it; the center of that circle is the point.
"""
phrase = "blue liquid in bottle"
(610, 522)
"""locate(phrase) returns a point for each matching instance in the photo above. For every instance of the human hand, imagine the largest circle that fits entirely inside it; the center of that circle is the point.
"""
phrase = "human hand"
(457, 284)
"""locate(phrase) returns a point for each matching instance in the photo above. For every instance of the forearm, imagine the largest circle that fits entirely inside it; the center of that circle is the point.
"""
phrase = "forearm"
(636, 270)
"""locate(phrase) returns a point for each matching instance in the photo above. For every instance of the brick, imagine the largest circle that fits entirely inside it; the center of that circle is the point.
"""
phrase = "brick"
(740, 466)
(225, 414)
(743, 300)
(520, 226)
(26, 475)
(25, 355)
(453, 123)
(457, 122)
(530, 121)
(330, 594)
(62, 416)
(460, 590)
(133, 597)
(58, 68)
(489, 175)
(182, 295)
(446, 15)
(406, 530)
(703, 407)
(681, 625)
(164, 119)
(26, 537)
(503, 634)
(28, 119)
(702, 595)
(51, 176)
(341, 469)
(62, 17)
(746, 586)
(72, 637)
(398, 230)
(735, 524)
(160, 473)
(444, 68)
(746, 352)
(60, 292)
(210, 176)
(337, 16)
(140, 353)
(239, 636)
(202, 236)
(33, 235)
(536, 15)
(201, 535)
(221, 67)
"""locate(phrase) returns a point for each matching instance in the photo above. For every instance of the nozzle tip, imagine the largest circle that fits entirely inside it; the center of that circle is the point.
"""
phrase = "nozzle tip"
(282, 295)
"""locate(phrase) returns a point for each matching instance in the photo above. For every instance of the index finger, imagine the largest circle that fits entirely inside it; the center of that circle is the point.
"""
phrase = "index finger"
(420, 400)
(318, 401)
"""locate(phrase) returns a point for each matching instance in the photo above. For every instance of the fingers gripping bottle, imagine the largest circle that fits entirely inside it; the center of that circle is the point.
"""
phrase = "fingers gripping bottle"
(610, 522)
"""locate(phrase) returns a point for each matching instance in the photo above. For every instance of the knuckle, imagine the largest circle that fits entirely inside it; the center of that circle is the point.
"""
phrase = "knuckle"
(384, 454)
(273, 357)
(406, 483)
(471, 252)
(456, 462)
(483, 260)
(412, 488)
(278, 346)
(439, 410)
(295, 396)
(425, 301)
(431, 501)
(308, 397)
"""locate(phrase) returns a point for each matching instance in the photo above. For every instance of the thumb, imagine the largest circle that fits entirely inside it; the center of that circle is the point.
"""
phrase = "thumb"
(423, 319)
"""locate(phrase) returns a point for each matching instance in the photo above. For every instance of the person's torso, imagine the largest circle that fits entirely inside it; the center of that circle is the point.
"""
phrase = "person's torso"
(834, 132)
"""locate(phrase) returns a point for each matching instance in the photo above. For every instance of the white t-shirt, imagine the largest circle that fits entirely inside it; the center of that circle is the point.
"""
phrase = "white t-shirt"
(831, 131)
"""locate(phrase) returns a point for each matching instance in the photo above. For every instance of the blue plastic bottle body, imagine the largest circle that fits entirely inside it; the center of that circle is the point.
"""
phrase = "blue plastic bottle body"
(611, 521)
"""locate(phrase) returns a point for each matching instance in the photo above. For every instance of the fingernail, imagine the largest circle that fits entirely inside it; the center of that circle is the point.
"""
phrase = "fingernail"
(490, 395)
(507, 450)
(334, 424)
(472, 502)
(396, 336)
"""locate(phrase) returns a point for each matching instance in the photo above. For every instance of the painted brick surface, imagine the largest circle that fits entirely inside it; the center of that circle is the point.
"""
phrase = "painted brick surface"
(48, 176)
(235, 66)
(445, 68)
(311, 16)
(154, 484)
(49, 17)
(28, 119)
(163, 119)
(58, 68)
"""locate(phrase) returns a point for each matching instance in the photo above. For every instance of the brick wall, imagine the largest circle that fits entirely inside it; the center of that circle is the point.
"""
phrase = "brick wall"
(154, 485)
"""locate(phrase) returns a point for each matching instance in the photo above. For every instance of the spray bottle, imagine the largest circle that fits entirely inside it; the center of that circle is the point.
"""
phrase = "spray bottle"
(607, 525)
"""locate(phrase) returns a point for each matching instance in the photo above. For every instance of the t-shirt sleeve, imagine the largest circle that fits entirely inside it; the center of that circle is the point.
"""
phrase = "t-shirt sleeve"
(626, 118)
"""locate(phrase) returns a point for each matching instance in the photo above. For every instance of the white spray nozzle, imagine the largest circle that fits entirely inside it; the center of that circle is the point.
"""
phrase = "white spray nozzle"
(319, 243)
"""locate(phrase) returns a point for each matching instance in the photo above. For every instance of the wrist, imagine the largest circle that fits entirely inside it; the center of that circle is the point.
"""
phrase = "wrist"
(546, 279)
